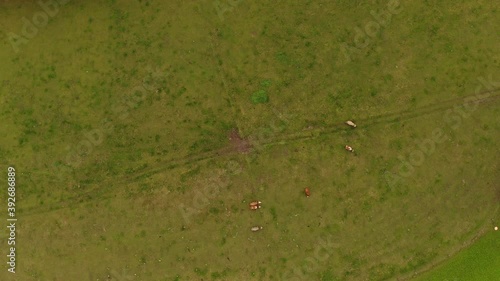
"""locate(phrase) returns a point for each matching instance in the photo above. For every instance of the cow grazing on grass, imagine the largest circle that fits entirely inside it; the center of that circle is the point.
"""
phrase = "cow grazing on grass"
(255, 205)
(350, 123)
(256, 228)
(307, 192)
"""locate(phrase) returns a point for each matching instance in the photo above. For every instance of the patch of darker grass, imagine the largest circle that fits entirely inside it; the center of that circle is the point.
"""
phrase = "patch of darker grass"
(259, 97)
(219, 275)
(265, 83)
(327, 276)
(274, 214)
(283, 58)
(262, 271)
(214, 211)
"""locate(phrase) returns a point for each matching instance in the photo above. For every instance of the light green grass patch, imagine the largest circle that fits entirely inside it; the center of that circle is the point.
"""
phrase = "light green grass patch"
(480, 261)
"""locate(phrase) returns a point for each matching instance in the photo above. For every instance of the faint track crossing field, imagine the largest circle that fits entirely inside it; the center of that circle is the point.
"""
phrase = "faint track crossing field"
(103, 192)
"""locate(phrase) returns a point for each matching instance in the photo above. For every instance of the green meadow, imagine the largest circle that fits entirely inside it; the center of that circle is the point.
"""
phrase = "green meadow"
(479, 262)
(140, 131)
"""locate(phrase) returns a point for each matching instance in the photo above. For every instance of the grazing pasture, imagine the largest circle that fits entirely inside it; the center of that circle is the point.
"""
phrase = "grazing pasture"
(141, 131)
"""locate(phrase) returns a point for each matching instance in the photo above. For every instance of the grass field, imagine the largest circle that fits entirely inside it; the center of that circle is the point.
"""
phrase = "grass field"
(141, 130)
(479, 262)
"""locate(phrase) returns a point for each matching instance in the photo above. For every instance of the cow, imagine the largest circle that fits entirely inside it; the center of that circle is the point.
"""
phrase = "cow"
(255, 205)
(350, 123)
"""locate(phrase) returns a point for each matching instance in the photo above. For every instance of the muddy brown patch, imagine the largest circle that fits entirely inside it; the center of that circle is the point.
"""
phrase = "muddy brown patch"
(237, 143)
